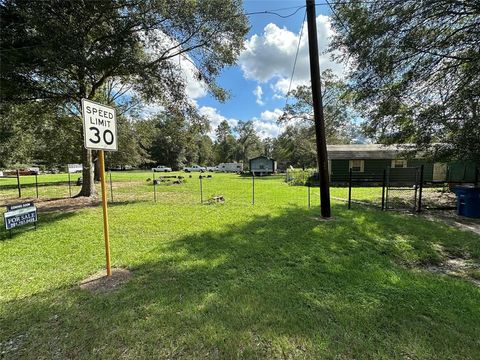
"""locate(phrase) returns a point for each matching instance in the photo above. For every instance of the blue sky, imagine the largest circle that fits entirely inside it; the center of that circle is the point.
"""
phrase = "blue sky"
(259, 81)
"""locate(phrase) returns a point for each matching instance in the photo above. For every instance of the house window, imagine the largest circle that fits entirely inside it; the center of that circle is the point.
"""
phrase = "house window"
(399, 164)
(357, 165)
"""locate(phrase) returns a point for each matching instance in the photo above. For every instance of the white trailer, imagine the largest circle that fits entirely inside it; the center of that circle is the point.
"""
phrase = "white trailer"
(230, 167)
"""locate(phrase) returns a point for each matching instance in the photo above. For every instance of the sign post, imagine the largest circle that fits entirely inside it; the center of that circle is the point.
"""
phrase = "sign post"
(100, 133)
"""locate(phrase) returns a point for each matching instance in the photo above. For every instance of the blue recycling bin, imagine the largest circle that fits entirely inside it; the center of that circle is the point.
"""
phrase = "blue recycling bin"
(468, 201)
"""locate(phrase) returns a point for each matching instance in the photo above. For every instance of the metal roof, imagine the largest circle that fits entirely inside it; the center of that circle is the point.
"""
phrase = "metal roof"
(364, 151)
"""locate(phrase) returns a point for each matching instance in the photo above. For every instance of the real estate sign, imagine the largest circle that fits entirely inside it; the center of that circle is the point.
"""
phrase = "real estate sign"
(99, 126)
(20, 214)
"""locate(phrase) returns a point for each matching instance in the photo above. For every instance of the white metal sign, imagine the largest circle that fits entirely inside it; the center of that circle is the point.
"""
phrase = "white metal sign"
(99, 126)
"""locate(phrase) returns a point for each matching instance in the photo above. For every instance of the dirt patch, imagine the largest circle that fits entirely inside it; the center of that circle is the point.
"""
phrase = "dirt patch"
(451, 218)
(61, 204)
(100, 283)
(462, 267)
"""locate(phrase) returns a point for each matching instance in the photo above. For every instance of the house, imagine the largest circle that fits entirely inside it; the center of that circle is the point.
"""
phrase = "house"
(262, 165)
(375, 158)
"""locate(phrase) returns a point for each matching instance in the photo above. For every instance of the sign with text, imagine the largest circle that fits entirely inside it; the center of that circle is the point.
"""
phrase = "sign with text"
(20, 214)
(99, 126)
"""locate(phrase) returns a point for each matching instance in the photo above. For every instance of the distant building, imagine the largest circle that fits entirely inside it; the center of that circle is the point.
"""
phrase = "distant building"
(375, 158)
(262, 165)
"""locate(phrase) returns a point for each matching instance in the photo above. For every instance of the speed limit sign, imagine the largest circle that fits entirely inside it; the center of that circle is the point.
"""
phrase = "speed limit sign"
(99, 126)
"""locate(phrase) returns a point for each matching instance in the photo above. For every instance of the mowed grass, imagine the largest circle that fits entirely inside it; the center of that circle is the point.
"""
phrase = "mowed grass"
(237, 281)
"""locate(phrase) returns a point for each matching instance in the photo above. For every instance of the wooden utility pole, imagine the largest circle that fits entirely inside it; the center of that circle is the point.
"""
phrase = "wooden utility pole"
(322, 158)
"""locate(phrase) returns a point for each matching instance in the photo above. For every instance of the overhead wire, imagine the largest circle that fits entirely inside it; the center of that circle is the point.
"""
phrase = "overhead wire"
(296, 57)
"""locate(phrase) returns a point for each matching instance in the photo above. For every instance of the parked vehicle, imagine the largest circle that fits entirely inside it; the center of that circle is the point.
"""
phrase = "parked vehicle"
(194, 168)
(161, 168)
(230, 167)
(212, 168)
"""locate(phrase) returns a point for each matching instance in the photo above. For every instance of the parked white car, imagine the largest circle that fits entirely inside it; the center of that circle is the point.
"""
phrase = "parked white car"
(161, 168)
(194, 168)
(212, 168)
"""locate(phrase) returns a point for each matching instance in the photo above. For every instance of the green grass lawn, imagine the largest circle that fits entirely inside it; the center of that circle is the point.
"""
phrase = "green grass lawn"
(236, 281)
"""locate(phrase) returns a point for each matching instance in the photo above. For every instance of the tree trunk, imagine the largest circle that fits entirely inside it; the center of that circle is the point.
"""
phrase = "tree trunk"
(88, 184)
(96, 164)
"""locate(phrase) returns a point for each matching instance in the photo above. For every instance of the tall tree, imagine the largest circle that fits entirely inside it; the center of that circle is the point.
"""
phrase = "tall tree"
(63, 51)
(225, 144)
(296, 146)
(249, 144)
(340, 127)
(416, 71)
(168, 146)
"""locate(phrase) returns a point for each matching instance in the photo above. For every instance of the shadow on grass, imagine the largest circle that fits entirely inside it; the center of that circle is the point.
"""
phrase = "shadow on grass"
(284, 286)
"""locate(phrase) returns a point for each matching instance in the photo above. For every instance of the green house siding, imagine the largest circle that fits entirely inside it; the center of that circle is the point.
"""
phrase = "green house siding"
(339, 170)
(462, 171)
(427, 168)
(457, 171)
(375, 166)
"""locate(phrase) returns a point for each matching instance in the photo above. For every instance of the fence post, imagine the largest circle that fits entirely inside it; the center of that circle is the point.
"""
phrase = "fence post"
(111, 185)
(253, 188)
(387, 185)
(154, 188)
(18, 184)
(36, 184)
(384, 180)
(69, 182)
(308, 185)
(419, 209)
(349, 188)
(201, 189)
(416, 190)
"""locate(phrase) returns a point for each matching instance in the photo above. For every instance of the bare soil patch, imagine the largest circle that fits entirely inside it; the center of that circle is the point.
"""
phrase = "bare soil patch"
(60, 204)
(459, 266)
(101, 283)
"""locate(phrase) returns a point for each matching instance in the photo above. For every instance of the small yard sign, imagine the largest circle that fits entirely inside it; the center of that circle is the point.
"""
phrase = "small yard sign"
(20, 214)
(99, 126)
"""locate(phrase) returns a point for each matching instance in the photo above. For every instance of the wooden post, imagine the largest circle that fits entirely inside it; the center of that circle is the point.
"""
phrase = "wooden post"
(111, 185)
(154, 188)
(318, 110)
(69, 182)
(384, 181)
(350, 188)
(18, 184)
(106, 233)
(36, 184)
(419, 208)
(308, 184)
(201, 189)
(253, 188)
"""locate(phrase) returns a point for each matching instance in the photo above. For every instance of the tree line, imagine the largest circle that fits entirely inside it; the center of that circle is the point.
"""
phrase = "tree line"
(172, 139)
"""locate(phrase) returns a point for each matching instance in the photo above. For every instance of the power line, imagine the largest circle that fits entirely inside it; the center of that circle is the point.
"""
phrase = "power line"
(296, 57)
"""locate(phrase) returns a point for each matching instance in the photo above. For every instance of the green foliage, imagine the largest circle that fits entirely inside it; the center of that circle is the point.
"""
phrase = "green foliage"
(249, 144)
(296, 146)
(415, 75)
(61, 51)
(236, 281)
(338, 112)
(225, 145)
(34, 133)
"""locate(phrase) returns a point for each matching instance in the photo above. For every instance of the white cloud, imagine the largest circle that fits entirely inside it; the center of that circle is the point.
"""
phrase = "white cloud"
(258, 92)
(215, 119)
(270, 56)
(267, 125)
(195, 89)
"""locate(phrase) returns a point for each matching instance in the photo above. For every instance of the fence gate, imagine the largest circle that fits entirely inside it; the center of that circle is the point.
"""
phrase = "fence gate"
(404, 189)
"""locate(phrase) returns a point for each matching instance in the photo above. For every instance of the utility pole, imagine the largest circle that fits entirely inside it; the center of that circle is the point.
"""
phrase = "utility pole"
(322, 158)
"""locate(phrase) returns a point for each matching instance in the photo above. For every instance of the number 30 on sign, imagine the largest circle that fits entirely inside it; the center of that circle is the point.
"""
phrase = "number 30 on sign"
(99, 126)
